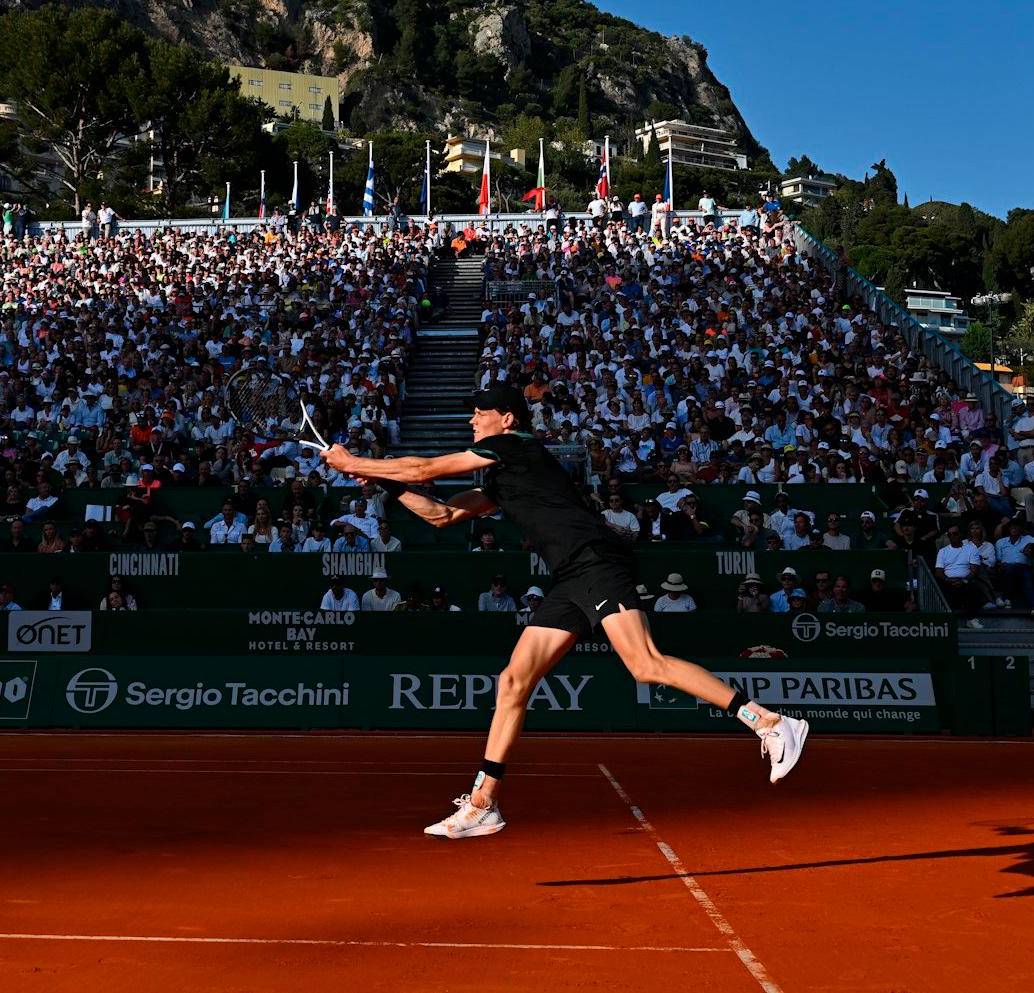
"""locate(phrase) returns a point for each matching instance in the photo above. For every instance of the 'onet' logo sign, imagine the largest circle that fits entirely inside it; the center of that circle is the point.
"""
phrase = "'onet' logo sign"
(50, 631)
(91, 691)
(806, 627)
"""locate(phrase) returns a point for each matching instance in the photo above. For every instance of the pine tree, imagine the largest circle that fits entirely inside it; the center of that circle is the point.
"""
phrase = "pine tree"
(328, 114)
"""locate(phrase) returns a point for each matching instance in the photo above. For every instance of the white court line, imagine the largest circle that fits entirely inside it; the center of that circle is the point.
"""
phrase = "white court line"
(76, 771)
(745, 955)
(342, 943)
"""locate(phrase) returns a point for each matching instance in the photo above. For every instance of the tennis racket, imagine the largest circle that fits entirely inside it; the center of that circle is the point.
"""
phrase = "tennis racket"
(269, 404)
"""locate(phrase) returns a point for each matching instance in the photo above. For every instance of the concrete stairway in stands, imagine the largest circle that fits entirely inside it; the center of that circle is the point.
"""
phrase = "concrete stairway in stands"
(462, 279)
(441, 376)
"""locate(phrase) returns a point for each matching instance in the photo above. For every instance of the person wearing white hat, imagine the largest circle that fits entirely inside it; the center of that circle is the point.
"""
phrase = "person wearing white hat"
(531, 600)
(594, 585)
(380, 597)
(677, 600)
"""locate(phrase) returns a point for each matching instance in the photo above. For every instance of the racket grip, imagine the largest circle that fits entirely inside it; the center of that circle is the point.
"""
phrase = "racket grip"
(313, 444)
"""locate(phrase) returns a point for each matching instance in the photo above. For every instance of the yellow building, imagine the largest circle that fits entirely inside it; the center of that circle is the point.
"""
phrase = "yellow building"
(468, 155)
(284, 91)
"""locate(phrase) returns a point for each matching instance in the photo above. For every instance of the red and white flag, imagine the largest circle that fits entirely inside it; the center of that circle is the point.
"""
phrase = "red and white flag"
(603, 183)
(484, 197)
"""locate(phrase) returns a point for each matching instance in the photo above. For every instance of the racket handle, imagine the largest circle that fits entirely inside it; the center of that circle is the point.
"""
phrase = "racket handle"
(313, 444)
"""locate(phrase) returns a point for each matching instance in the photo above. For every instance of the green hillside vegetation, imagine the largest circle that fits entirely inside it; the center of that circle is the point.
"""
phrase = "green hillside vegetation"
(935, 245)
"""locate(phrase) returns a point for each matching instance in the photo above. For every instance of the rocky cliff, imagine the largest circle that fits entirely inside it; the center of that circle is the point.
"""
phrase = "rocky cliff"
(407, 63)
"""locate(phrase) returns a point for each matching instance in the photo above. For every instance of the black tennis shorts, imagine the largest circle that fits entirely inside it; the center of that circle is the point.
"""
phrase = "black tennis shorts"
(596, 583)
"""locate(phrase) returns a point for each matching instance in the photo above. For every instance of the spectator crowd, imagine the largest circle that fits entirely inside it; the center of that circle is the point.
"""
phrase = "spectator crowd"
(682, 354)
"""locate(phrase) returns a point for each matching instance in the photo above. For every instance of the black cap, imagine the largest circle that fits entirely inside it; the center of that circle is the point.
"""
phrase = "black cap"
(505, 399)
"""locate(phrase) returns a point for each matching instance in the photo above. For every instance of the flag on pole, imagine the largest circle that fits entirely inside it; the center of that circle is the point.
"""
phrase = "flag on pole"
(425, 188)
(538, 193)
(262, 195)
(669, 186)
(294, 189)
(368, 193)
(330, 186)
(603, 182)
(485, 196)
(226, 205)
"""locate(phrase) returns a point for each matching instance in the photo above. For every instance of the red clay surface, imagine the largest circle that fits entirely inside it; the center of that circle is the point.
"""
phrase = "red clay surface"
(878, 865)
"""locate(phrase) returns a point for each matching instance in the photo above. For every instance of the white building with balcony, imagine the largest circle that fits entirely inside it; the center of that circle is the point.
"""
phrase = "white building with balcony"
(694, 145)
(467, 155)
(808, 191)
(938, 310)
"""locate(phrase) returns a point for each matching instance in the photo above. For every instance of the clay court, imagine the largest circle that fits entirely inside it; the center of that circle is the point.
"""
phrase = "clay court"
(270, 863)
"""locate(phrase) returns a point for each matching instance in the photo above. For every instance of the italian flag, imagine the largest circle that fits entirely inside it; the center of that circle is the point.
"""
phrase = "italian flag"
(486, 184)
(538, 194)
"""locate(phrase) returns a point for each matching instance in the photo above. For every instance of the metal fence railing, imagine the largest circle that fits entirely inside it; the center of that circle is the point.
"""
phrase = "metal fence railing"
(214, 225)
(929, 596)
(941, 353)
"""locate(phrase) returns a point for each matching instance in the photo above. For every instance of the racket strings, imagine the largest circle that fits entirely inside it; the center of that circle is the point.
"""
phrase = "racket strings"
(262, 401)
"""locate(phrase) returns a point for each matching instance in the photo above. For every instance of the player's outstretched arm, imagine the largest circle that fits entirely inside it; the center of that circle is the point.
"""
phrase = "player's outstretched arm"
(461, 507)
(411, 469)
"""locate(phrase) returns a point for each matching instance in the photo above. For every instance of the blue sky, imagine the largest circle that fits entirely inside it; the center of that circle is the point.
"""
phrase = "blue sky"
(944, 91)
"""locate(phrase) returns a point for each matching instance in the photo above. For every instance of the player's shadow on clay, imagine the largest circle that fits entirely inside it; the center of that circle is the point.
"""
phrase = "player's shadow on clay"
(1024, 866)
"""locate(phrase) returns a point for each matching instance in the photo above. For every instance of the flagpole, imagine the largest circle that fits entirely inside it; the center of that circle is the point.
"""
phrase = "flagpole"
(427, 170)
(294, 189)
(542, 176)
(330, 187)
(262, 195)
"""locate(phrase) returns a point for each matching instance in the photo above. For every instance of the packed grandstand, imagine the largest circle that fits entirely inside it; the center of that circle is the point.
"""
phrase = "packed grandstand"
(703, 354)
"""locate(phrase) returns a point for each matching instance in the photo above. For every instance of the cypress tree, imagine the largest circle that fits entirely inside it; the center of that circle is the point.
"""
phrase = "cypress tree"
(328, 114)
(584, 121)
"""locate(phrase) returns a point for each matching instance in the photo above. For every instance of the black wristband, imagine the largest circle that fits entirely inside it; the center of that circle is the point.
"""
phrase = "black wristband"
(739, 699)
(392, 487)
(494, 769)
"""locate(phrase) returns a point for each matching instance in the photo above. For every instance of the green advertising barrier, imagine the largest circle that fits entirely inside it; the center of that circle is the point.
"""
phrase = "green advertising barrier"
(291, 634)
(308, 668)
(234, 579)
(442, 692)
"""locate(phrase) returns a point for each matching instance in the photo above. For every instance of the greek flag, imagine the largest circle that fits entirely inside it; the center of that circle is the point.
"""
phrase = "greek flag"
(368, 194)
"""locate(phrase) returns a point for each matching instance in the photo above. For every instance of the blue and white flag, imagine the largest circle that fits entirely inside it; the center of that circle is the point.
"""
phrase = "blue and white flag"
(368, 194)
(668, 186)
(226, 205)
(425, 188)
(294, 189)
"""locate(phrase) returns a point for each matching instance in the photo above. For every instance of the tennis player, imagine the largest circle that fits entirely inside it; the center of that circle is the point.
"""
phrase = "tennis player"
(594, 583)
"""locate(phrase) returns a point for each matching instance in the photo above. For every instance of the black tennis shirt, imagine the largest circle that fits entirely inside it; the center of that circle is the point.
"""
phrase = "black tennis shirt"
(536, 493)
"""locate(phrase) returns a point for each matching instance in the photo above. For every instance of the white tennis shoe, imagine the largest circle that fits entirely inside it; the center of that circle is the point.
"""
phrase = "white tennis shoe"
(782, 744)
(468, 821)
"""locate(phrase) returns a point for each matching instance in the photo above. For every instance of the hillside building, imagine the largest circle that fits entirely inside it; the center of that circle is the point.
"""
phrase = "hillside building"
(694, 145)
(938, 310)
(467, 155)
(807, 191)
(286, 91)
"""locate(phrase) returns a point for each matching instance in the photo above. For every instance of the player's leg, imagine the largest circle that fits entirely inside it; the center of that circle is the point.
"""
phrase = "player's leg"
(782, 738)
(538, 649)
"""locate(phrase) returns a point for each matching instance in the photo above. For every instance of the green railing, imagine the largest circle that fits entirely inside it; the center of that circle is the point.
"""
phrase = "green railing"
(933, 345)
